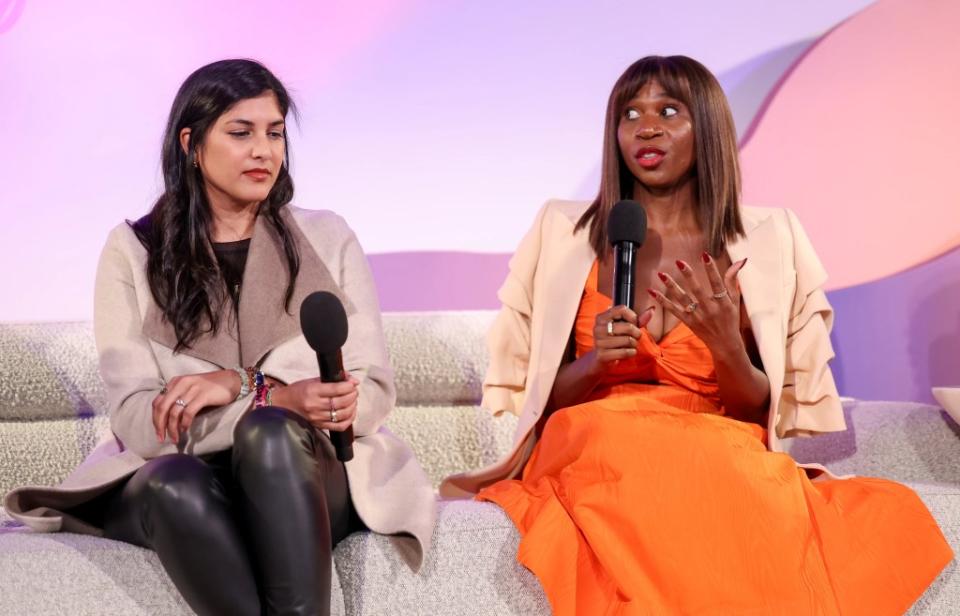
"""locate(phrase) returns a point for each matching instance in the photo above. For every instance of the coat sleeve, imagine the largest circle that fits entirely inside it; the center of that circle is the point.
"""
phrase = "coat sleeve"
(508, 341)
(365, 352)
(128, 367)
(809, 403)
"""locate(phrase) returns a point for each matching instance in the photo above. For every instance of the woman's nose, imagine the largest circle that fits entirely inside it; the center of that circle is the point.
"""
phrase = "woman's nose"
(649, 130)
(260, 147)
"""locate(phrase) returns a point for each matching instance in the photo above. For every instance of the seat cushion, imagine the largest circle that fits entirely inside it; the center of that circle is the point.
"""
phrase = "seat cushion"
(472, 568)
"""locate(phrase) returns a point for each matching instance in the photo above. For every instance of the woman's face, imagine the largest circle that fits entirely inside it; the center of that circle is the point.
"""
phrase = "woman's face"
(656, 138)
(242, 152)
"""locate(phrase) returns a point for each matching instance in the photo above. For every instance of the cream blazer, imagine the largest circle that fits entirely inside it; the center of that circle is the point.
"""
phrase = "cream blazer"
(781, 286)
(390, 491)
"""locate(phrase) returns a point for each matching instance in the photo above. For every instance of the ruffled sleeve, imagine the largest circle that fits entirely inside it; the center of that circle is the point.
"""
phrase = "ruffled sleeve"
(809, 403)
(508, 341)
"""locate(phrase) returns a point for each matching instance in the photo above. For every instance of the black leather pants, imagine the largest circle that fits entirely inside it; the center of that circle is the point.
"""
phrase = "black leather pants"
(244, 531)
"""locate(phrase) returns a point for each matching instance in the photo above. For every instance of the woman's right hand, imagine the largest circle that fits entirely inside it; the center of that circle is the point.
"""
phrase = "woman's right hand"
(320, 402)
(619, 340)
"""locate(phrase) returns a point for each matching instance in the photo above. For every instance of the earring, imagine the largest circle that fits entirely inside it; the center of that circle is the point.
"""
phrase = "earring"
(195, 163)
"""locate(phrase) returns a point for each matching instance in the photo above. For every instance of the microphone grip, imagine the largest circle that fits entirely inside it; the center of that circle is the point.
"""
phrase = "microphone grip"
(331, 371)
(624, 270)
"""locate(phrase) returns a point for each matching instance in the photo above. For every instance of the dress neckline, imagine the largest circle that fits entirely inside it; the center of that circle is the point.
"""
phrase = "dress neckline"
(594, 281)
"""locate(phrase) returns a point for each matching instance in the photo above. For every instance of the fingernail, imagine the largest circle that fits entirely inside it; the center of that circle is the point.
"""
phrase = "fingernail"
(652, 293)
(705, 256)
(742, 263)
(681, 265)
(663, 276)
(649, 308)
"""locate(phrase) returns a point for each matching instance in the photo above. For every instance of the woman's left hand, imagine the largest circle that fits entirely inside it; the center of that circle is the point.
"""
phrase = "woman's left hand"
(181, 399)
(713, 314)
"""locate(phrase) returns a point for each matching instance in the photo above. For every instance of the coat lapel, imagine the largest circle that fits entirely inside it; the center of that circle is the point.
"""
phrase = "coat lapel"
(761, 283)
(264, 322)
(261, 322)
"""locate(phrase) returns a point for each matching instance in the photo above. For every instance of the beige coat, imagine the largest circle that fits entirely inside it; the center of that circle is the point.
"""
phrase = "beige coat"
(782, 291)
(390, 491)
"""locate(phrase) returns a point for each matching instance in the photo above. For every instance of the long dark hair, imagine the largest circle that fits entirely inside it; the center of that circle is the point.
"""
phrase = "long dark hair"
(181, 267)
(717, 168)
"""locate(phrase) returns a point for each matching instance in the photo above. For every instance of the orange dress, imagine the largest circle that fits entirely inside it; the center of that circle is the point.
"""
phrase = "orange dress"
(646, 499)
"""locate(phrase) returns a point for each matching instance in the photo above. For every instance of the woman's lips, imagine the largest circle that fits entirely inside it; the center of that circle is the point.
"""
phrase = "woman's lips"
(257, 174)
(649, 158)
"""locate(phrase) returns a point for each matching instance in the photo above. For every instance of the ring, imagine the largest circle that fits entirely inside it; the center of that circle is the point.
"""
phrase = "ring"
(691, 307)
(609, 328)
(720, 295)
(163, 389)
(333, 416)
(180, 402)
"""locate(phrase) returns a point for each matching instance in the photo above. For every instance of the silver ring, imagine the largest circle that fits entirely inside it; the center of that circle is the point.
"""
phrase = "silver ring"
(180, 402)
(333, 416)
(720, 295)
(691, 307)
(609, 328)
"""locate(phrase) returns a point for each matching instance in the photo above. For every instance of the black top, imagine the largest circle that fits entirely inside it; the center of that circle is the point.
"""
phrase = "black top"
(232, 258)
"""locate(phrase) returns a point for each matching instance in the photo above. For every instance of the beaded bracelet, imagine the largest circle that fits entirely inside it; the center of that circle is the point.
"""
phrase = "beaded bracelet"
(263, 395)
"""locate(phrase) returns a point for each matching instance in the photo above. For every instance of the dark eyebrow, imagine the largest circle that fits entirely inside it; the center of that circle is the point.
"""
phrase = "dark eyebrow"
(249, 123)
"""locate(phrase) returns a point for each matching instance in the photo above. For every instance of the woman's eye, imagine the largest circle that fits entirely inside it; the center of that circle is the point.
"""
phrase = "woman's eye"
(632, 114)
(276, 135)
(240, 133)
(669, 111)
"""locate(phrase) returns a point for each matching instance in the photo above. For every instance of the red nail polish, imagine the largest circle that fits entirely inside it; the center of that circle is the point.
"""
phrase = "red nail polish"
(706, 257)
(652, 293)
(662, 276)
(681, 265)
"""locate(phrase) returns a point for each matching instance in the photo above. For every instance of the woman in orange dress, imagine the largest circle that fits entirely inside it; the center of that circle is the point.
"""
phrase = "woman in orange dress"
(647, 476)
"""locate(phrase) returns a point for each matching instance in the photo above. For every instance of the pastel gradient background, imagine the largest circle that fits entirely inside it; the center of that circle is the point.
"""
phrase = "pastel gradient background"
(438, 128)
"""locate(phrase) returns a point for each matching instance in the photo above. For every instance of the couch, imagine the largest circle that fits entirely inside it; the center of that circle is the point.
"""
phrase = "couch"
(52, 412)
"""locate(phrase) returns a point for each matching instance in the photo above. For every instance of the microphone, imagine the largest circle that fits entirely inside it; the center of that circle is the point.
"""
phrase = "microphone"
(324, 324)
(626, 228)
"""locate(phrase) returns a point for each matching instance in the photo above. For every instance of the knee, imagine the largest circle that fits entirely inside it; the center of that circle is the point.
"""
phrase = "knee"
(178, 483)
(270, 429)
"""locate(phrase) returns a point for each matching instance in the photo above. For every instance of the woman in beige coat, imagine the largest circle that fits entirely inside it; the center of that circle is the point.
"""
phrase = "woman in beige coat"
(219, 458)
(647, 475)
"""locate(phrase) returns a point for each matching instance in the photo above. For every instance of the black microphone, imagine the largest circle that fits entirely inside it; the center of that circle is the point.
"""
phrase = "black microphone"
(324, 324)
(626, 228)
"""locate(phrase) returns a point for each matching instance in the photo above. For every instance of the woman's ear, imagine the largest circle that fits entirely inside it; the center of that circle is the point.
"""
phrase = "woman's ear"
(185, 140)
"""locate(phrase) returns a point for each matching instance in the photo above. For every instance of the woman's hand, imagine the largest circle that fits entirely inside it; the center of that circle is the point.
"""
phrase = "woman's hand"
(184, 397)
(328, 406)
(712, 314)
(616, 332)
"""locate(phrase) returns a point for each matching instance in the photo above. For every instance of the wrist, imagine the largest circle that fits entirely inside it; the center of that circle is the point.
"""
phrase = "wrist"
(732, 352)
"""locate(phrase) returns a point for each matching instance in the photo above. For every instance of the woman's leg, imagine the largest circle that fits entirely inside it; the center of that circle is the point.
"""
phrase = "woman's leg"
(178, 507)
(294, 495)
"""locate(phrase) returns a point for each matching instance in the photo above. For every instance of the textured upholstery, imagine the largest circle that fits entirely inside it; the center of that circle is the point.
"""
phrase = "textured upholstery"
(52, 412)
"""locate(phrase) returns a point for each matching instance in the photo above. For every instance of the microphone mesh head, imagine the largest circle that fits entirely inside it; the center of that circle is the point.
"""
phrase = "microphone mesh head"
(627, 223)
(323, 322)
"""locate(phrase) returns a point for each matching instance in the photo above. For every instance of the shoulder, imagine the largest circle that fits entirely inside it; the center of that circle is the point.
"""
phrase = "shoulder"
(782, 221)
(122, 242)
(327, 223)
(564, 209)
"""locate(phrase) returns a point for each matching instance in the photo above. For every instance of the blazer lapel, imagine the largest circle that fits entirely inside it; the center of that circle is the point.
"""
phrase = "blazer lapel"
(261, 322)
(761, 284)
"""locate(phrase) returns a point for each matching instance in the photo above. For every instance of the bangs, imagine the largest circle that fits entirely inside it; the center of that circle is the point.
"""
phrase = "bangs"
(654, 68)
